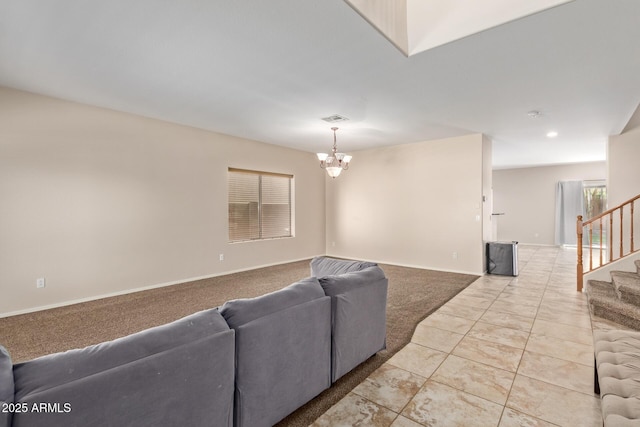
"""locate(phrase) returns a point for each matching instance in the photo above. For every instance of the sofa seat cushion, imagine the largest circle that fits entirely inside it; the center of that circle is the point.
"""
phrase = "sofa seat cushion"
(327, 266)
(6, 385)
(617, 355)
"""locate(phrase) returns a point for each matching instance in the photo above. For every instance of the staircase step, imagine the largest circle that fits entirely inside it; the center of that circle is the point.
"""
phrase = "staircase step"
(601, 289)
(604, 302)
(627, 285)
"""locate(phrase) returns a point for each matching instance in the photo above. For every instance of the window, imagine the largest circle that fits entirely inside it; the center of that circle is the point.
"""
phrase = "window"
(595, 202)
(595, 198)
(573, 198)
(260, 205)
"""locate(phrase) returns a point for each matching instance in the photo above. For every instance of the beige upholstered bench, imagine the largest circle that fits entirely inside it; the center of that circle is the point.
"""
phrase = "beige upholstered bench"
(617, 376)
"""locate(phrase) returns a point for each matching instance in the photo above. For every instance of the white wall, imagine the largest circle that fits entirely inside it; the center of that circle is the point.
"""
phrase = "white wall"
(527, 197)
(624, 180)
(624, 162)
(100, 202)
(413, 204)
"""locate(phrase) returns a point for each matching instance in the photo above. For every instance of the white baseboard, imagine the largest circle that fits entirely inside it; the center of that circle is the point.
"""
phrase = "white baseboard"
(140, 289)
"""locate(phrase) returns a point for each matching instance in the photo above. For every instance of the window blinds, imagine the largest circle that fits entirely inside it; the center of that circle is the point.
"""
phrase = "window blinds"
(259, 205)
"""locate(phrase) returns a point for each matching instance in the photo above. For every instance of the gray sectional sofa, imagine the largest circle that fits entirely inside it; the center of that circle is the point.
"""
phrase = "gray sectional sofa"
(249, 363)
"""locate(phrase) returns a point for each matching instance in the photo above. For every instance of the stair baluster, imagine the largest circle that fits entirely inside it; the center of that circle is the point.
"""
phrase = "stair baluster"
(580, 225)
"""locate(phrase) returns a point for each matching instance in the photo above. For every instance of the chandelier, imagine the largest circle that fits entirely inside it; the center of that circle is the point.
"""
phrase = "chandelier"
(335, 162)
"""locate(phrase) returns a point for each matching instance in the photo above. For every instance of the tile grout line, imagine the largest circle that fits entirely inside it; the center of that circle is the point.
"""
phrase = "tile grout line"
(548, 296)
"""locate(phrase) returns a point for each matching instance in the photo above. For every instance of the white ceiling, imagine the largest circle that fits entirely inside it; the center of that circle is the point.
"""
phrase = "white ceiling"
(269, 71)
(414, 26)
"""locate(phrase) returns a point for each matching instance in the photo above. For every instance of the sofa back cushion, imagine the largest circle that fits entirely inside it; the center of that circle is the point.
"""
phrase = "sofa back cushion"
(180, 373)
(6, 386)
(326, 266)
(283, 351)
(71, 365)
(346, 282)
(241, 311)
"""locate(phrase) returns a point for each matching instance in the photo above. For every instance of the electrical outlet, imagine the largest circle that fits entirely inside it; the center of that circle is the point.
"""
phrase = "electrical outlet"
(40, 283)
(454, 255)
(221, 257)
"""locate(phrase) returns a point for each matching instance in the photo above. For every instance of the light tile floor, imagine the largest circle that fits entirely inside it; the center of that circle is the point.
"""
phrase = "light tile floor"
(506, 351)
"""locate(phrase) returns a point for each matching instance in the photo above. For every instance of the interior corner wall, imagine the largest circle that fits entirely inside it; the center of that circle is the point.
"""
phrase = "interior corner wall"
(487, 189)
(527, 197)
(487, 195)
(99, 202)
(414, 204)
(623, 157)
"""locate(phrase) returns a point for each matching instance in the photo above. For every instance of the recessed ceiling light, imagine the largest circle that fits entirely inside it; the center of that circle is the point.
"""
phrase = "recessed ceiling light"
(534, 114)
(552, 134)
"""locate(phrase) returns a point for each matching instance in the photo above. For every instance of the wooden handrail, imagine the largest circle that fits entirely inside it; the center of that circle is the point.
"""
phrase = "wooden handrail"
(580, 225)
(607, 212)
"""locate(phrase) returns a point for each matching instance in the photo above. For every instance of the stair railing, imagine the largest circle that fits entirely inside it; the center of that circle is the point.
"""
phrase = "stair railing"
(620, 244)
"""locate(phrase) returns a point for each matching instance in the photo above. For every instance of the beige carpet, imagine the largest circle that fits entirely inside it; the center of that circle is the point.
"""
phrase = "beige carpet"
(413, 295)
